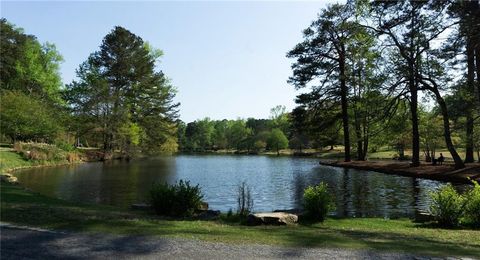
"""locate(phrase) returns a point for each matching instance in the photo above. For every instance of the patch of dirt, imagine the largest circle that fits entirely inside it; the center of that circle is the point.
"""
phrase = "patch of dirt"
(445, 172)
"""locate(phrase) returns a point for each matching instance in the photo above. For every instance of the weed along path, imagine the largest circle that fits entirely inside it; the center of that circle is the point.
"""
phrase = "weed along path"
(43, 244)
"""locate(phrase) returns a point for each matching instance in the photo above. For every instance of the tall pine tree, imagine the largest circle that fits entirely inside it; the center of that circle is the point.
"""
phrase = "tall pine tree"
(120, 95)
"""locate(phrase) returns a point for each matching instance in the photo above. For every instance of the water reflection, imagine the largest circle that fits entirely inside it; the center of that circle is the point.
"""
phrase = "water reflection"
(277, 183)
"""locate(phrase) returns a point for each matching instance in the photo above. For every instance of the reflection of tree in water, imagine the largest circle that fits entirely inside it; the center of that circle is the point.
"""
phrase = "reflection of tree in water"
(362, 194)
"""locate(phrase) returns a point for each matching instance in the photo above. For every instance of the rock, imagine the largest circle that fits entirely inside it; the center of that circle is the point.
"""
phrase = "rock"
(141, 206)
(298, 212)
(421, 217)
(8, 178)
(271, 218)
(208, 214)
(291, 211)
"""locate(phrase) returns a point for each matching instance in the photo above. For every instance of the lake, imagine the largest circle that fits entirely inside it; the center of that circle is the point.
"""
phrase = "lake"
(276, 183)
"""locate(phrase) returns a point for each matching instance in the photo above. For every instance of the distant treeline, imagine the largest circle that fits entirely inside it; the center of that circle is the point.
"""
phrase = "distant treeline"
(250, 135)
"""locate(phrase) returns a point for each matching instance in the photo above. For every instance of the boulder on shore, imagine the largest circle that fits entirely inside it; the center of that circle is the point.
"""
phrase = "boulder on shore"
(271, 218)
(421, 217)
(8, 178)
(141, 206)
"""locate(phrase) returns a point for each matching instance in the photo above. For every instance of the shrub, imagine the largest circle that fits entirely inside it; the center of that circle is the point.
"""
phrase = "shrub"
(244, 200)
(318, 202)
(472, 205)
(65, 146)
(40, 151)
(178, 200)
(447, 206)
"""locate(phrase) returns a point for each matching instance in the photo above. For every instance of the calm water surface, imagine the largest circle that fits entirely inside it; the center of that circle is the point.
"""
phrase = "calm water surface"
(276, 183)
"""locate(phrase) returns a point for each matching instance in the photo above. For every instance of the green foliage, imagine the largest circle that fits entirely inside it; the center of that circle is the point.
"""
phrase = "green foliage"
(251, 135)
(237, 133)
(122, 97)
(178, 200)
(28, 66)
(318, 202)
(26, 118)
(259, 145)
(431, 133)
(472, 205)
(65, 146)
(279, 118)
(277, 140)
(447, 206)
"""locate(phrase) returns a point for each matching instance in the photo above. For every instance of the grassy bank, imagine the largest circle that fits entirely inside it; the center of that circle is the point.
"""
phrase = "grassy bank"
(23, 207)
(11, 160)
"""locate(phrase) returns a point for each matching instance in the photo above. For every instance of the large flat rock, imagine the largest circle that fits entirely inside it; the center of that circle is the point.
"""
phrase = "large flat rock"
(272, 218)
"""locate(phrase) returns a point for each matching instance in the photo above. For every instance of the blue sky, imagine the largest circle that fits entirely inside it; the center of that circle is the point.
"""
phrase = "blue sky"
(226, 59)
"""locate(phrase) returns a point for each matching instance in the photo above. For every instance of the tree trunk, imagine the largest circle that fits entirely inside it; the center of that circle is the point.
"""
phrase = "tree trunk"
(475, 7)
(358, 134)
(446, 126)
(469, 141)
(413, 87)
(477, 58)
(344, 91)
(415, 132)
(470, 89)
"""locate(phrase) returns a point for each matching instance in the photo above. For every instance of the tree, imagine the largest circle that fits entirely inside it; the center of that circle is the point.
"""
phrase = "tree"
(279, 118)
(321, 57)
(277, 140)
(299, 129)
(410, 28)
(27, 119)
(237, 133)
(219, 137)
(466, 41)
(118, 86)
(29, 66)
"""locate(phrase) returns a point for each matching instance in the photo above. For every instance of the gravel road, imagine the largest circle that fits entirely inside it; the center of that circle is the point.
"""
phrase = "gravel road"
(26, 243)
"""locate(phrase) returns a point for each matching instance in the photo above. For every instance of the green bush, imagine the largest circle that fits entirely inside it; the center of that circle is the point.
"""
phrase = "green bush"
(178, 200)
(65, 146)
(472, 205)
(447, 206)
(318, 202)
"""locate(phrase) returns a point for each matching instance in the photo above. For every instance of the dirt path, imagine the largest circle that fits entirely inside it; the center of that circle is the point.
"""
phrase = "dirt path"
(25, 243)
(444, 172)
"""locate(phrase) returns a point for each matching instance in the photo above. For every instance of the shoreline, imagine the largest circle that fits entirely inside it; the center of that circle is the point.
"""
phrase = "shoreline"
(11, 170)
(444, 172)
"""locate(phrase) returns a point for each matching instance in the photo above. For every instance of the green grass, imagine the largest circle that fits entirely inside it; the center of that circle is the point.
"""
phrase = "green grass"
(11, 160)
(27, 208)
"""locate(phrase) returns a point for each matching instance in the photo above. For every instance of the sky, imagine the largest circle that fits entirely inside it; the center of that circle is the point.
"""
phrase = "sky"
(226, 59)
